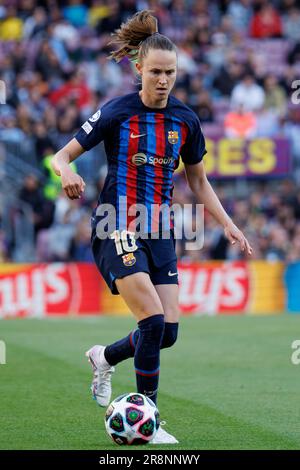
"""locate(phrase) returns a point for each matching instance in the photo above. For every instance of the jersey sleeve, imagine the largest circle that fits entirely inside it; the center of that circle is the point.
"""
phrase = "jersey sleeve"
(193, 150)
(94, 129)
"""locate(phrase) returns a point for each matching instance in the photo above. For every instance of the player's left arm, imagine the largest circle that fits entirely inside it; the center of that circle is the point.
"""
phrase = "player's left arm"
(205, 194)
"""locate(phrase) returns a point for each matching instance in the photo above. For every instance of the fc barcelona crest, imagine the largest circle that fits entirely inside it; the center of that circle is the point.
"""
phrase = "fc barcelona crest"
(129, 259)
(173, 137)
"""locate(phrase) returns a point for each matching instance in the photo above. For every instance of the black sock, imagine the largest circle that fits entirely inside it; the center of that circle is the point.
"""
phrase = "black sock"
(146, 357)
(125, 347)
(122, 349)
(170, 335)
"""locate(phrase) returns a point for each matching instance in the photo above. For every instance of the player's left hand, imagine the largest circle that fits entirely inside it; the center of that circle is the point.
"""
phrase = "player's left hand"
(233, 234)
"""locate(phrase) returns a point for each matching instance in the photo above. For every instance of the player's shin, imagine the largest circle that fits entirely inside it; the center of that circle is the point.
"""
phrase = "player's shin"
(122, 349)
(125, 347)
(146, 358)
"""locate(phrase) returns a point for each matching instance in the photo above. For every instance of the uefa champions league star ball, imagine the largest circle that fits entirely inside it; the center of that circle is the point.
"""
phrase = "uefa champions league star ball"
(132, 419)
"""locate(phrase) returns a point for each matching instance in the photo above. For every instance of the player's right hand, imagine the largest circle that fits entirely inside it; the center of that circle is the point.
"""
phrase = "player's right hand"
(233, 234)
(72, 183)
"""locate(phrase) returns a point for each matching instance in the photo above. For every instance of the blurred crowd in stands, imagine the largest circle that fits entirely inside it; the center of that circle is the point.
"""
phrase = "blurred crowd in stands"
(237, 66)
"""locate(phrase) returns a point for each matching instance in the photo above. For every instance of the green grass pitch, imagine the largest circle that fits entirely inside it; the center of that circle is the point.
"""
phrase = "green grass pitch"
(228, 383)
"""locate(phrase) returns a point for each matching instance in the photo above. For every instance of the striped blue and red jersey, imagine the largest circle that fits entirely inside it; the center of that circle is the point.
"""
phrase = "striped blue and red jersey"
(143, 148)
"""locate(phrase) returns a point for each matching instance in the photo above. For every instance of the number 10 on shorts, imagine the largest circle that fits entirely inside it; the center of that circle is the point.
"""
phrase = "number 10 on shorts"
(124, 241)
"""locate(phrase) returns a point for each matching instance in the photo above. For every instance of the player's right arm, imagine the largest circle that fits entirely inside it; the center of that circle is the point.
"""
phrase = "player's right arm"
(71, 182)
(88, 136)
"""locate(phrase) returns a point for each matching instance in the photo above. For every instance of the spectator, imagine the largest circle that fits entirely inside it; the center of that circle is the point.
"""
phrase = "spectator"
(240, 13)
(43, 210)
(240, 124)
(76, 13)
(275, 97)
(11, 28)
(203, 107)
(291, 24)
(80, 248)
(57, 239)
(267, 123)
(98, 11)
(75, 90)
(228, 76)
(111, 22)
(35, 26)
(43, 142)
(248, 94)
(279, 244)
(266, 23)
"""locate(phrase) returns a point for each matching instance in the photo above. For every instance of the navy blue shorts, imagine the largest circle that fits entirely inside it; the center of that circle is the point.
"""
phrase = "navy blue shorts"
(155, 257)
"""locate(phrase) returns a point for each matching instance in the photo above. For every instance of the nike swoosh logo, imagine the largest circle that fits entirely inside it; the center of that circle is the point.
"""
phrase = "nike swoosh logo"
(136, 136)
(172, 274)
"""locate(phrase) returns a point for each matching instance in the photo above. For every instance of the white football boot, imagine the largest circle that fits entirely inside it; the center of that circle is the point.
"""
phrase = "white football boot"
(163, 437)
(102, 371)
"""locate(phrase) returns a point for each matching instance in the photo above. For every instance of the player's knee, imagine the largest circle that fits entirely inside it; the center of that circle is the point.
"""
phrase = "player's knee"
(151, 330)
(170, 335)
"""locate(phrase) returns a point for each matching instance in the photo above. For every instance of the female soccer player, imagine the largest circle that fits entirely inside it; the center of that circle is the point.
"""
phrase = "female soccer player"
(145, 133)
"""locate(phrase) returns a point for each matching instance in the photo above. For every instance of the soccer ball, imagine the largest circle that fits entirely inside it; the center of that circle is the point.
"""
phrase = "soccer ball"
(132, 419)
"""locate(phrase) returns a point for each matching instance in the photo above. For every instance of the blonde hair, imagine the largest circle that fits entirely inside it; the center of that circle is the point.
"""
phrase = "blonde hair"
(137, 36)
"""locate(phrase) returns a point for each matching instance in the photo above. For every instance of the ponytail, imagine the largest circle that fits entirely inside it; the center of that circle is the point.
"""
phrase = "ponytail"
(137, 36)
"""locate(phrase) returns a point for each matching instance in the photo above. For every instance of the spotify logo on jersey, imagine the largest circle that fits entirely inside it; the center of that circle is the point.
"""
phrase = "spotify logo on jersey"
(139, 159)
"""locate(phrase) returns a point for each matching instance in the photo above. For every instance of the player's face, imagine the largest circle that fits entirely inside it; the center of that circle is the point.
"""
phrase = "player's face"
(158, 72)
